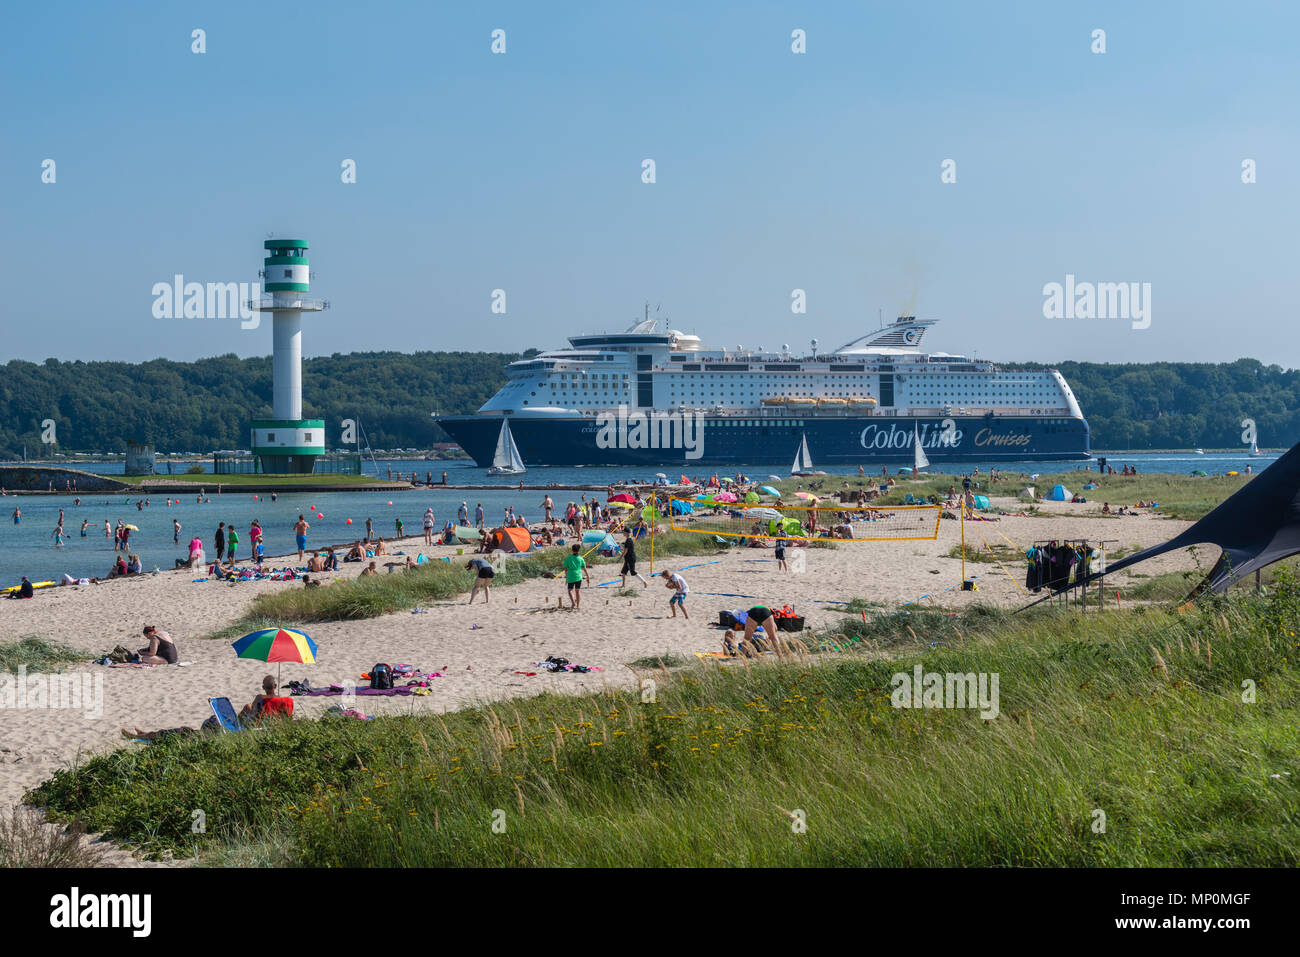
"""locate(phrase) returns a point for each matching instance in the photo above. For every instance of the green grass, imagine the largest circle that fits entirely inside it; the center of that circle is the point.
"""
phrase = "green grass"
(357, 598)
(210, 480)
(1138, 714)
(38, 654)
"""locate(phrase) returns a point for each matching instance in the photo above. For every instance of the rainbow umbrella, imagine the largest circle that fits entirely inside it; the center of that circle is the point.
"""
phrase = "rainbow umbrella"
(278, 645)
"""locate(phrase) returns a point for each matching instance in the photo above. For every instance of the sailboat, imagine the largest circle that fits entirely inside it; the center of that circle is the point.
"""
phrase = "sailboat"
(803, 464)
(1254, 448)
(919, 461)
(506, 460)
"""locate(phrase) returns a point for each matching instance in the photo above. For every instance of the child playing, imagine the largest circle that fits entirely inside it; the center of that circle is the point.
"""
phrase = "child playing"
(678, 585)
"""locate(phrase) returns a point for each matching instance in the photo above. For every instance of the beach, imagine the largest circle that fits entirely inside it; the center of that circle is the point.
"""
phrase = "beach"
(482, 649)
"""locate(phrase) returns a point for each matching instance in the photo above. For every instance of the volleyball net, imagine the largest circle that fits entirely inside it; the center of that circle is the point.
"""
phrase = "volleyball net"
(806, 523)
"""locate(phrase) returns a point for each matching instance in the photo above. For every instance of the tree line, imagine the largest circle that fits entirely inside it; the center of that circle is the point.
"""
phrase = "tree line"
(207, 404)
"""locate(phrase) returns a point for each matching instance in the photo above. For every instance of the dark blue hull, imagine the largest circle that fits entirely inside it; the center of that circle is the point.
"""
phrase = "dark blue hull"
(837, 441)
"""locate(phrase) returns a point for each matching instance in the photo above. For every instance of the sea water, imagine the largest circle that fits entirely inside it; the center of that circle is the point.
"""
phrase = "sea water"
(29, 548)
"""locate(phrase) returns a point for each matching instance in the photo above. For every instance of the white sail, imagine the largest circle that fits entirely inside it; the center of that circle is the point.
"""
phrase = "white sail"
(506, 458)
(802, 459)
(1254, 447)
(919, 461)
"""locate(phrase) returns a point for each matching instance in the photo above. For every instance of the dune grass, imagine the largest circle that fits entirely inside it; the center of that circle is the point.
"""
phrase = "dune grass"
(37, 654)
(1139, 714)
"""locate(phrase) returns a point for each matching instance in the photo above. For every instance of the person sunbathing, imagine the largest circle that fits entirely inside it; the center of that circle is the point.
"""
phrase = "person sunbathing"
(379, 548)
(253, 711)
(161, 649)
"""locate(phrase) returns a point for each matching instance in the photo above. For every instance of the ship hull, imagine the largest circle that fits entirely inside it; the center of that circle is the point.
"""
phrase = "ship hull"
(833, 442)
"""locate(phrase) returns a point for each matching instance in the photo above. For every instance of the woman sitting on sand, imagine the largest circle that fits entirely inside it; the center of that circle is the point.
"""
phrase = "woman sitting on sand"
(119, 568)
(133, 566)
(379, 548)
(161, 649)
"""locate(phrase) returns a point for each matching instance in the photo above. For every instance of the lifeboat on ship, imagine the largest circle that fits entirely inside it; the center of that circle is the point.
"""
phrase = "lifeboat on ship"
(801, 403)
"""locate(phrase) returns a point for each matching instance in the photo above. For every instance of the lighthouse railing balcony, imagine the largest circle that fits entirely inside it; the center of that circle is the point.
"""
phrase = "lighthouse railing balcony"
(268, 302)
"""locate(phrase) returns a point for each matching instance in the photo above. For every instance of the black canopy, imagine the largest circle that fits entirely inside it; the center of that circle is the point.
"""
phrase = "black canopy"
(1255, 526)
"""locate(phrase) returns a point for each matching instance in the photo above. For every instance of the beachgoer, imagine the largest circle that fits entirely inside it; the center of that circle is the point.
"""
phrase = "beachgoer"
(781, 566)
(680, 590)
(428, 526)
(176, 531)
(220, 540)
(232, 543)
(161, 649)
(462, 514)
(629, 560)
(478, 513)
(253, 710)
(370, 528)
(369, 570)
(575, 570)
(300, 534)
(484, 573)
(760, 616)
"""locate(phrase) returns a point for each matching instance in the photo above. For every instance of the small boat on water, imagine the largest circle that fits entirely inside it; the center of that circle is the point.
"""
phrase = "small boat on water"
(506, 461)
(803, 463)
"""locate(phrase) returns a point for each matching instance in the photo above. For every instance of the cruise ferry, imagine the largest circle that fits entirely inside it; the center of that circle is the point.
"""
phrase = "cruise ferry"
(656, 396)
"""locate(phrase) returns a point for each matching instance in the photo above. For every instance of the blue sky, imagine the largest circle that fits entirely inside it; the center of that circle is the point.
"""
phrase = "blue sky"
(775, 171)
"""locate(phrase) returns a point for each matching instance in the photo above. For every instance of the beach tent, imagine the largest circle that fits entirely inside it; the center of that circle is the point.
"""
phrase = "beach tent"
(595, 538)
(464, 534)
(981, 501)
(682, 508)
(510, 539)
(623, 497)
(786, 526)
(1059, 493)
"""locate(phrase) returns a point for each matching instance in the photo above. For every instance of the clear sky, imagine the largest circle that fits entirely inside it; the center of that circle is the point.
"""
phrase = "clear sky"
(775, 171)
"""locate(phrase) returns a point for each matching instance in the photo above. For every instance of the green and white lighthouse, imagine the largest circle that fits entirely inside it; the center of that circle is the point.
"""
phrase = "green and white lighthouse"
(287, 443)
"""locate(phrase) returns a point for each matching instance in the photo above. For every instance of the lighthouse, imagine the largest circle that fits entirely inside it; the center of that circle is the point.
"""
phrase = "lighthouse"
(287, 443)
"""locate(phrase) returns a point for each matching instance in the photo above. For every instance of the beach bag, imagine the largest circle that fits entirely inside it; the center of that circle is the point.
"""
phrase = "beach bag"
(120, 655)
(381, 677)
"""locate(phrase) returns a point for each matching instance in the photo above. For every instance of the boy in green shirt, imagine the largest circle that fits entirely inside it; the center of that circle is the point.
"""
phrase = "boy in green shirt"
(232, 543)
(575, 570)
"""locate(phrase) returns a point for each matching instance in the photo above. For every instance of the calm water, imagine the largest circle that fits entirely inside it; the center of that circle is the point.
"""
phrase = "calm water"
(29, 549)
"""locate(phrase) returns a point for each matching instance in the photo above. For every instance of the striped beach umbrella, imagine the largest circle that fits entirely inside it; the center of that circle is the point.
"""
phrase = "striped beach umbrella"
(277, 645)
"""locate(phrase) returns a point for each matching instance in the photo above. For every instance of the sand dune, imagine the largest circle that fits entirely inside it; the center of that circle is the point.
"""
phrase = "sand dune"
(482, 647)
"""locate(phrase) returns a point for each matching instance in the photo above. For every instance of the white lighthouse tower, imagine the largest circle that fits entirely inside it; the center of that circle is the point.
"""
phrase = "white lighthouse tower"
(287, 443)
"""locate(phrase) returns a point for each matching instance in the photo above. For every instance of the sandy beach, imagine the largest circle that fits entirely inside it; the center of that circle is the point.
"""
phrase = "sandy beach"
(482, 648)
